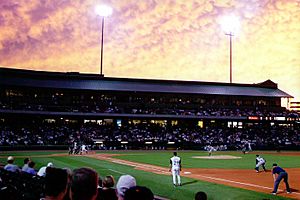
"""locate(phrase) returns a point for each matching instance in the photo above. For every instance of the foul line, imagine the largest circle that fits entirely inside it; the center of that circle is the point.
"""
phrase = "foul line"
(236, 182)
(230, 181)
(128, 163)
(118, 172)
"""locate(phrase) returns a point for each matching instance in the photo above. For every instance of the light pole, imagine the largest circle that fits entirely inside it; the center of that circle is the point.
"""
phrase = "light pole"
(230, 52)
(230, 27)
(103, 11)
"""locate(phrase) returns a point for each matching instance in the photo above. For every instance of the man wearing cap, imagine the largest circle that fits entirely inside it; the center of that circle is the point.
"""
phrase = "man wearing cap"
(281, 174)
(124, 183)
(260, 161)
(175, 168)
(10, 166)
(42, 171)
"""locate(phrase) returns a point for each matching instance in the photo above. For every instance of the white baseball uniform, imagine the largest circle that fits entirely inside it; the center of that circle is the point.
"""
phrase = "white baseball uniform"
(176, 164)
(260, 161)
(83, 149)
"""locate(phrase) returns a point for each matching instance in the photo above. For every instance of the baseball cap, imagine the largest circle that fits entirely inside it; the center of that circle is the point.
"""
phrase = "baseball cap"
(124, 183)
(50, 164)
(10, 158)
(274, 164)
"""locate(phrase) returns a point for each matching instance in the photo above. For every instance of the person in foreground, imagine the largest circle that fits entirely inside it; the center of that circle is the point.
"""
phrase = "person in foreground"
(124, 183)
(84, 184)
(56, 182)
(10, 165)
(25, 166)
(138, 193)
(42, 171)
(108, 191)
(278, 175)
(200, 196)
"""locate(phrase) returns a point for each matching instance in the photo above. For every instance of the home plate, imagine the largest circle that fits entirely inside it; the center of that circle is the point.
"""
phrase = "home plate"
(186, 172)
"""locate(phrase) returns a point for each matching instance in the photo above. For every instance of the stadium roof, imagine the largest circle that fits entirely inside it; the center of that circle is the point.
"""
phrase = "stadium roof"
(78, 81)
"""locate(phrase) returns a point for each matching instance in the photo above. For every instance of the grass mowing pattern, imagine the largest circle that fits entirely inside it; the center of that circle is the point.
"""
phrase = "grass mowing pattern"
(160, 184)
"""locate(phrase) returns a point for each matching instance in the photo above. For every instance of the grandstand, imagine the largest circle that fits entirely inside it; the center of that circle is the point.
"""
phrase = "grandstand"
(59, 111)
(53, 109)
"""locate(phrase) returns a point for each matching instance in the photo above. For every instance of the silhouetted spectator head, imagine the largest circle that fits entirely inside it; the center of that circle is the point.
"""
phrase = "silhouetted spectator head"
(107, 191)
(138, 193)
(26, 161)
(200, 196)
(124, 183)
(31, 164)
(10, 159)
(108, 182)
(84, 184)
(56, 182)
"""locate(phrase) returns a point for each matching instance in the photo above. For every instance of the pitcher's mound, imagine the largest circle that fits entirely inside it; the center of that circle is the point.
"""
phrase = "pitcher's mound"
(218, 157)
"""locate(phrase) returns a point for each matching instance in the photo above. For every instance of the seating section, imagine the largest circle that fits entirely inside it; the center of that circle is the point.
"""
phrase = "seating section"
(20, 185)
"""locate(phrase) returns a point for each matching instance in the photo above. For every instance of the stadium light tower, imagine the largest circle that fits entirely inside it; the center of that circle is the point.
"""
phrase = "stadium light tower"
(230, 25)
(103, 11)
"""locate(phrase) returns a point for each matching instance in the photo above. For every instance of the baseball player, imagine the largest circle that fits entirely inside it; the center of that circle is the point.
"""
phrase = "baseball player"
(210, 150)
(175, 167)
(70, 149)
(83, 149)
(281, 174)
(249, 146)
(260, 161)
(244, 150)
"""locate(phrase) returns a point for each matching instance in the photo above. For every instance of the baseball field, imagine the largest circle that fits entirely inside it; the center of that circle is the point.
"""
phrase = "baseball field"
(224, 175)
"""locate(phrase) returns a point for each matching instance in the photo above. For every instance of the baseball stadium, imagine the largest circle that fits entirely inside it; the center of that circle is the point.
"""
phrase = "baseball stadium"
(126, 126)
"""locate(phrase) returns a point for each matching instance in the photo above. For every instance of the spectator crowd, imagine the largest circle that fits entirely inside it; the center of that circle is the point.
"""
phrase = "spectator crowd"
(111, 135)
(50, 183)
(149, 108)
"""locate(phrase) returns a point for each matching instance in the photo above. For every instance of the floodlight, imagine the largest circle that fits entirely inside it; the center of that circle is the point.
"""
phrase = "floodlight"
(230, 24)
(103, 10)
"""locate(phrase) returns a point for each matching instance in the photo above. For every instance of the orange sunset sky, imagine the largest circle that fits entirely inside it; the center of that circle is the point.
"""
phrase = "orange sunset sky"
(157, 39)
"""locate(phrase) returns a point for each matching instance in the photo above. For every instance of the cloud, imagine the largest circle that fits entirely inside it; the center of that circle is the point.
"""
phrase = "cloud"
(156, 39)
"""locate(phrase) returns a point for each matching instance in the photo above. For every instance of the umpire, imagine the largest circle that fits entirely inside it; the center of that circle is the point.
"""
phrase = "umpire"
(281, 174)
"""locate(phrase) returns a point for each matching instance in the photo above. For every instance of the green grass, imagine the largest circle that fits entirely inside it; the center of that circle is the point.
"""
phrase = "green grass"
(162, 184)
(29, 153)
(247, 161)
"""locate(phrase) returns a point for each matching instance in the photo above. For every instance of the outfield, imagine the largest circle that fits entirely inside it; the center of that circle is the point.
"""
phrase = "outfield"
(210, 175)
